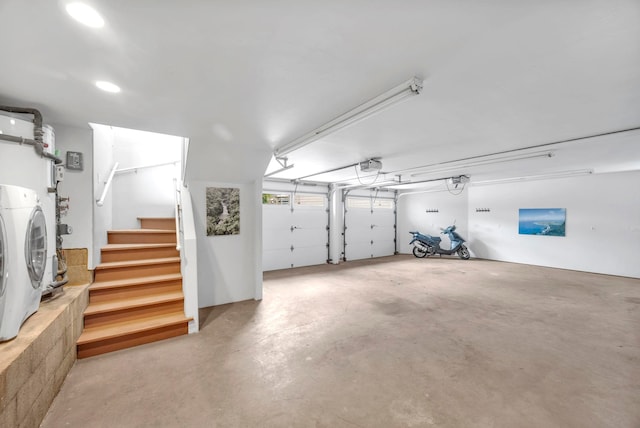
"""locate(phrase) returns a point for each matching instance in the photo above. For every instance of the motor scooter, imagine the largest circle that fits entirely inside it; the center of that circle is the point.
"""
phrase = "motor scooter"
(427, 245)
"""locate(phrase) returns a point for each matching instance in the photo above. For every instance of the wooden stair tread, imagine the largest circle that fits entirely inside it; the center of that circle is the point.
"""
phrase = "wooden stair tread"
(132, 282)
(117, 247)
(142, 262)
(119, 329)
(137, 297)
(157, 218)
(142, 231)
(133, 302)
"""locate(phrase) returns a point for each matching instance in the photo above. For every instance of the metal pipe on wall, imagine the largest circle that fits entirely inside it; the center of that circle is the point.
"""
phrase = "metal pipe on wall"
(38, 132)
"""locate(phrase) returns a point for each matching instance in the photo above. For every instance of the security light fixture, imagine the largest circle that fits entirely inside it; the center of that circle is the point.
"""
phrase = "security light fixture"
(408, 89)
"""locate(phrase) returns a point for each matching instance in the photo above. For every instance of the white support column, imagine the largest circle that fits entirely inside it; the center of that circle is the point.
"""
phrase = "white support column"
(257, 247)
(336, 214)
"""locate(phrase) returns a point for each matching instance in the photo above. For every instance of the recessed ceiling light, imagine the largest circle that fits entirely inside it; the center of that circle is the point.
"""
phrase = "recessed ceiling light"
(85, 14)
(108, 86)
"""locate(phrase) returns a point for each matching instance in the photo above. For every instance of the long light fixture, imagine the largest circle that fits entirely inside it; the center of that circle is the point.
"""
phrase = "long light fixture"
(482, 162)
(559, 174)
(408, 89)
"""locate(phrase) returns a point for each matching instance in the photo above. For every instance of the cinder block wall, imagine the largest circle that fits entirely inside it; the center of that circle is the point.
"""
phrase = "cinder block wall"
(34, 364)
(77, 270)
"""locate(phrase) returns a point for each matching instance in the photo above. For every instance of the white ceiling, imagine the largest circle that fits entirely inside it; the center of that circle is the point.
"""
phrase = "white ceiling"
(240, 78)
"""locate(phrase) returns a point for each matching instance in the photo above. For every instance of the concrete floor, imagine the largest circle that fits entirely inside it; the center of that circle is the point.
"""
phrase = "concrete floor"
(392, 342)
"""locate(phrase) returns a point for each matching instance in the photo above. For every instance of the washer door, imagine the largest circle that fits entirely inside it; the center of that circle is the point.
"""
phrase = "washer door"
(4, 263)
(36, 246)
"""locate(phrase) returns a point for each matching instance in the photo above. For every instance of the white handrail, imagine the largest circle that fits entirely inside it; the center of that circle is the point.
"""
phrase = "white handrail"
(135, 168)
(107, 184)
(178, 213)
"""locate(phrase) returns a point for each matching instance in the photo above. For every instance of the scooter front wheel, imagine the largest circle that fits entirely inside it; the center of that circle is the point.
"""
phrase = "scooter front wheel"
(419, 252)
(463, 253)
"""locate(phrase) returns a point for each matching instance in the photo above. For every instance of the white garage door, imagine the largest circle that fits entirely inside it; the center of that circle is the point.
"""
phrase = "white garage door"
(370, 228)
(294, 238)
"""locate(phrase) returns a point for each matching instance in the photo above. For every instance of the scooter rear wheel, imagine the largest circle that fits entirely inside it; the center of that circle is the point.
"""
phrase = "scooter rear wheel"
(419, 252)
(463, 253)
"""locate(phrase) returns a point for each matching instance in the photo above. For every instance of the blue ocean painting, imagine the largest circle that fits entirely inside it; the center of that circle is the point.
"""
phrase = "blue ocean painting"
(542, 221)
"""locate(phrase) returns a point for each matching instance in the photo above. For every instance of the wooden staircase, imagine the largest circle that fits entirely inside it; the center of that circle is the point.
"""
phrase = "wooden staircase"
(137, 294)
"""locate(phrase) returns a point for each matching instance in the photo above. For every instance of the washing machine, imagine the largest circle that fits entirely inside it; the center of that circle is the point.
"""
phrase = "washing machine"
(23, 257)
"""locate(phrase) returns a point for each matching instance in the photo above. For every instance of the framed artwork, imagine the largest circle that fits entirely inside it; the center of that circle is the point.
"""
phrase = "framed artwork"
(542, 221)
(223, 211)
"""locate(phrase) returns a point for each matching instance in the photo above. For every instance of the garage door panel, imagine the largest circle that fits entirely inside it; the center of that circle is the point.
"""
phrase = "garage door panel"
(309, 218)
(359, 231)
(275, 217)
(382, 233)
(309, 256)
(357, 216)
(308, 237)
(357, 251)
(383, 215)
(382, 248)
(275, 238)
(276, 259)
(366, 225)
(315, 236)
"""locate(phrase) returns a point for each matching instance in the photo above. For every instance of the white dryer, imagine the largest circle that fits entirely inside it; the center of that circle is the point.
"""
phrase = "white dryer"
(4, 261)
(23, 258)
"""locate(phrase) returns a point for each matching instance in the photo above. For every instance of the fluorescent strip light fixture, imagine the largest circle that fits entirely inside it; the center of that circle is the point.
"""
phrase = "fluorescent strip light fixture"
(559, 174)
(483, 162)
(401, 92)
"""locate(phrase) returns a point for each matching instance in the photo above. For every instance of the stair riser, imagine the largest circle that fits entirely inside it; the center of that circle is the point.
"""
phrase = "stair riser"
(138, 254)
(158, 223)
(133, 314)
(96, 296)
(125, 272)
(141, 238)
(128, 341)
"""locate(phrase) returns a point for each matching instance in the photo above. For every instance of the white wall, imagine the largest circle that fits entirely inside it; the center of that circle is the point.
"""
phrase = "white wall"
(189, 261)
(78, 186)
(147, 192)
(229, 267)
(602, 227)
(412, 216)
(102, 164)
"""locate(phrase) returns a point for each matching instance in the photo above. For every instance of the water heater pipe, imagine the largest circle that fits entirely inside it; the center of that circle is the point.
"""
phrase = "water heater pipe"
(38, 133)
